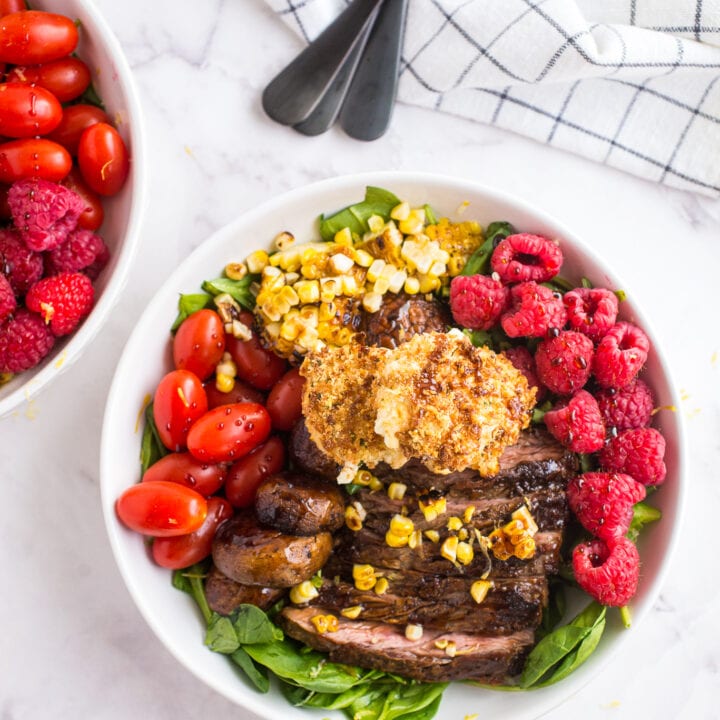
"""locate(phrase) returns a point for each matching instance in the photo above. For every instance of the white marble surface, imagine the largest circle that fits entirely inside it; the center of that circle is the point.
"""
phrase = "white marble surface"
(72, 643)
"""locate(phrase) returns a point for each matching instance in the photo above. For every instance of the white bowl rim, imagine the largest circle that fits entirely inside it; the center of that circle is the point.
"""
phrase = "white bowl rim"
(84, 335)
(547, 698)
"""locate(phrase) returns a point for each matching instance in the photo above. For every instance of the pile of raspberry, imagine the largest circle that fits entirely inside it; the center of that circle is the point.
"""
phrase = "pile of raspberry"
(587, 362)
(48, 262)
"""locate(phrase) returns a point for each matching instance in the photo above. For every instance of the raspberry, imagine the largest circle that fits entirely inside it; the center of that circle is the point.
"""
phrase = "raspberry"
(577, 423)
(523, 257)
(44, 212)
(592, 311)
(563, 362)
(638, 453)
(603, 502)
(534, 309)
(523, 361)
(62, 300)
(24, 341)
(476, 301)
(83, 251)
(22, 266)
(628, 408)
(8, 303)
(607, 572)
(620, 354)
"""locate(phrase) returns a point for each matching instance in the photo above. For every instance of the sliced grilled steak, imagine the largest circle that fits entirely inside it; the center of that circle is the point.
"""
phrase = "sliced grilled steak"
(444, 603)
(378, 645)
(225, 595)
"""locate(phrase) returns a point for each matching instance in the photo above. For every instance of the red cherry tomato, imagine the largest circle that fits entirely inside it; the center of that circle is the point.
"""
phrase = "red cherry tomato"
(241, 392)
(246, 474)
(284, 402)
(91, 218)
(67, 78)
(33, 158)
(31, 37)
(179, 401)
(256, 365)
(180, 552)
(183, 468)
(11, 6)
(228, 432)
(75, 120)
(199, 343)
(27, 111)
(103, 159)
(161, 509)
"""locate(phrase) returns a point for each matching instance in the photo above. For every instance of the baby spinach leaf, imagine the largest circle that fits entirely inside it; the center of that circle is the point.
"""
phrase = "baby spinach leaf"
(151, 447)
(377, 202)
(556, 646)
(252, 626)
(643, 514)
(555, 610)
(257, 674)
(91, 97)
(189, 304)
(430, 216)
(221, 636)
(239, 290)
(479, 262)
(409, 701)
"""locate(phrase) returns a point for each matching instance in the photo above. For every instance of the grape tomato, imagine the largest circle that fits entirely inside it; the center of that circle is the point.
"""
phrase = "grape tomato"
(183, 468)
(246, 474)
(27, 111)
(284, 402)
(75, 120)
(241, 392)
(67, 78)
(33, 158)
(199, 343)
(103, 159)
(31, 37)
(179, 401)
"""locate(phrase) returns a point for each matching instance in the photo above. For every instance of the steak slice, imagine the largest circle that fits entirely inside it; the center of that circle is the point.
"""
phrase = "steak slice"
(366, 644)
(444, 603)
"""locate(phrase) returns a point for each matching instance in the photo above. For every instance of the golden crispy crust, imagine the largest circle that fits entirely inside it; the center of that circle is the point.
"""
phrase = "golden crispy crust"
(435, 398)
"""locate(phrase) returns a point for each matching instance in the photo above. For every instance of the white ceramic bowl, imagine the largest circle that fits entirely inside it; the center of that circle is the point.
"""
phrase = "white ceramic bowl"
(171, 614)
(112, 78)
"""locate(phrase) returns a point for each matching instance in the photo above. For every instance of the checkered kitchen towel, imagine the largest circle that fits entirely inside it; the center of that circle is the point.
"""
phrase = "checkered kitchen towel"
(631, 83)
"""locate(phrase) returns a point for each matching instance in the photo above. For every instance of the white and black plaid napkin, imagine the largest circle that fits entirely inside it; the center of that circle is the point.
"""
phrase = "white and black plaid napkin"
(631, 83)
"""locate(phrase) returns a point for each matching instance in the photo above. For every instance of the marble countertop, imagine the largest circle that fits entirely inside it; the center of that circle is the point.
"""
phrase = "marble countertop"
(72, 643)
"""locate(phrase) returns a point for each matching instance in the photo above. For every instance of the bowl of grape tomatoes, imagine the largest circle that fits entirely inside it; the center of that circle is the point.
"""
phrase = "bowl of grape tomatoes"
(72, 187)
(200, 454)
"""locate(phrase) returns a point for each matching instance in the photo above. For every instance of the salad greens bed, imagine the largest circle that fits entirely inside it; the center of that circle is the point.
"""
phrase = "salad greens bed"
(256, 645)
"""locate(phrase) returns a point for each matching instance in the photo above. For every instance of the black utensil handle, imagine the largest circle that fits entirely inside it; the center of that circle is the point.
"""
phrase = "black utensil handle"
(295, 92)
(369, 103)
(323, 117)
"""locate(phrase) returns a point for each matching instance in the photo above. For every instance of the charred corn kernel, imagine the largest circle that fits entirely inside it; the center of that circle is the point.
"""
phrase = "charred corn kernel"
(227, 307)
(224, 383)
(375, 223)
(363, 258)
(463, 534)
(381, 586)
(479, 590)
(353, 519)
(308, 291)
(240, 330)
(257, 261)
(469, 512)
(455, 265)
(303, 592)
(432, 535)
(454, 523)
(236, 271)
(353, 613)
(326, 311)
(465, 553)
(441, 644)
(324, 623)
(401, 525)
(291, 278)
(525, 549)
(375, 270)
(393, 235)
(414, 223)
(343, 237)
(451, 649)
(431, 509)
(397, 281)
(375, 485)
(449, 548)
(412, 286)
(348, 285)
(438, 268)
(372, 301)
(415, 539)
(284, 240)
(401, 211)
(413, 632)
(363, 477)
(287, 294)
(394, 540)
(341, 263)
(272, 330)
(429, 283)
(396, 490)
(227, 366)
(270, 271)
(502, 551)
(524, 516)
(329, 289)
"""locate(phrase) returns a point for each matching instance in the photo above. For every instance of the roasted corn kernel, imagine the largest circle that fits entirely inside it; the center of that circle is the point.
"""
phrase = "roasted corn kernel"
(454, 523)
(257, 261)
(381, 586)
(413, 632)
(352, 612)
(432, 509)
(324, 623)
(303, 592)
(396, 490)
(464, 553)
(479, 590)
(449, 548)
(353, 519)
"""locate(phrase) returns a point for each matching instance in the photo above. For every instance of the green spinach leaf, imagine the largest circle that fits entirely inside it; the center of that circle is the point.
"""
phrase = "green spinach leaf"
(151, 447)
(252, 626)
(189, 304)
(377, 202)
(221, 636)
(643, 514)
(257, 674)
(479, 262)
(239, 290)
(430, 216)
